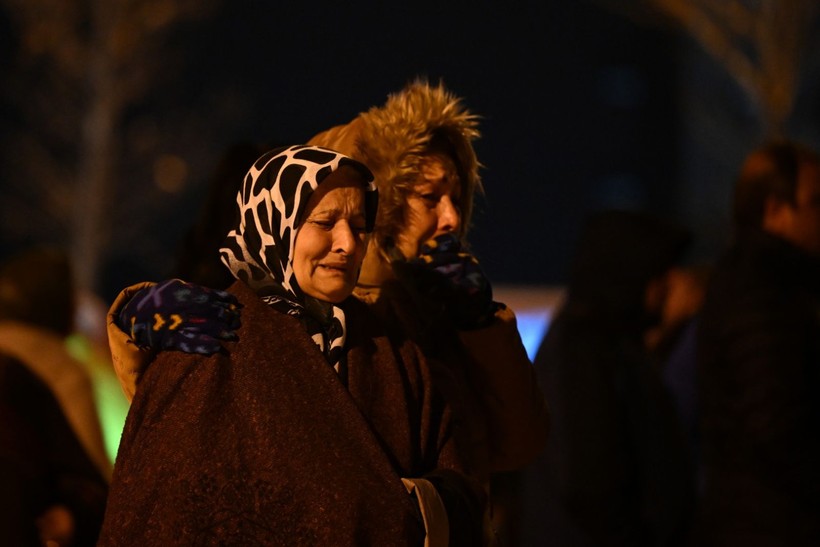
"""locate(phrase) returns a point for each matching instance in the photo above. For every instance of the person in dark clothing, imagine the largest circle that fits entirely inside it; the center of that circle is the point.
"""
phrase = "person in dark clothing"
(759, 360)
(38, 305)
(52, 492)
(615, 471)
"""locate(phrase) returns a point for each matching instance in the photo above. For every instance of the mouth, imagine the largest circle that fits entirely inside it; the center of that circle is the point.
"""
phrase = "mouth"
(340, 267)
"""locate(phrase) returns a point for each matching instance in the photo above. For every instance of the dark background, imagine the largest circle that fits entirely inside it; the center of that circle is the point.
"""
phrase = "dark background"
(582, 108)
(577, 104)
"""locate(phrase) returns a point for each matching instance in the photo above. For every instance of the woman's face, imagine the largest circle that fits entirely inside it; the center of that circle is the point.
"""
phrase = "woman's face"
(331, 240)
(433, 205)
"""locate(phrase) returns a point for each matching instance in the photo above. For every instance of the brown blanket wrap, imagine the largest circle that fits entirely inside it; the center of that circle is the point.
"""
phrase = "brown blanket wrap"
(264, 445)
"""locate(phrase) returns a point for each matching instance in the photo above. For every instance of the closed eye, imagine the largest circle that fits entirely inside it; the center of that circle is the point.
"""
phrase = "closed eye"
(324, 224)
(430, 199)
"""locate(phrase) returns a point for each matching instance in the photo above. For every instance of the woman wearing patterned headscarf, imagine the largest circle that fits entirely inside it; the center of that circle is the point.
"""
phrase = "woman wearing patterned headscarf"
(301, 431)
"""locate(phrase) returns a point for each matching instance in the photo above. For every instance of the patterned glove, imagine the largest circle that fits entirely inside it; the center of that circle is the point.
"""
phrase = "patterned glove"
(454, 277)
(175, 315)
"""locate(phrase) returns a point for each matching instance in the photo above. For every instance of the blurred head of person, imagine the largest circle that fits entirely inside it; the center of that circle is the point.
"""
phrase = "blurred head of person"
(197, 258)
(778, 192)
(37, 288)
(622, 266)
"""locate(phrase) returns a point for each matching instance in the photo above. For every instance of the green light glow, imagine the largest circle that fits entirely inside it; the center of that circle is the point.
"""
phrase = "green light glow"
(111, 402)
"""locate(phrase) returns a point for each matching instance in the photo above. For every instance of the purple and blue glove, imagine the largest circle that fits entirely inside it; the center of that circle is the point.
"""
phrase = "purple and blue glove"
(175, 315)
(445, 272)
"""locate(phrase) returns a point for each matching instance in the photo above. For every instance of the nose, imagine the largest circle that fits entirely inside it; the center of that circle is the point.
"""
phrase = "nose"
(449, 216)
(344, 240)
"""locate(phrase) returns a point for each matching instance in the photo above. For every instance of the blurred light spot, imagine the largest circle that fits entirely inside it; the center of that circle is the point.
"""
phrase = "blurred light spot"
(170, 173)
(112, 406)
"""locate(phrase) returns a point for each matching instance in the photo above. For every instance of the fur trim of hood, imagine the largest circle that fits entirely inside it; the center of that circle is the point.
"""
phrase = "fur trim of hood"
(392, 139)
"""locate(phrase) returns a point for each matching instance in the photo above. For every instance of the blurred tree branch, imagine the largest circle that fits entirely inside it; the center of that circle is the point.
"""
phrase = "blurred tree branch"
(762, 44)
(81, 65)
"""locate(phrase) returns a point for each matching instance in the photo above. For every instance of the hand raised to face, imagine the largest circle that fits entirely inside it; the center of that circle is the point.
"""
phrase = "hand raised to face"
(446, 273)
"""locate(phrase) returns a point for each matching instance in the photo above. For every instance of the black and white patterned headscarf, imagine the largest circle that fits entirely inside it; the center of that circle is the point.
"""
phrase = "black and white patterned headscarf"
(260, 250)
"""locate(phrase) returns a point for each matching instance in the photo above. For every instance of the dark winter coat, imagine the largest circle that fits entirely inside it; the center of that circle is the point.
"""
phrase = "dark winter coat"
(759, 378)
(264, 445)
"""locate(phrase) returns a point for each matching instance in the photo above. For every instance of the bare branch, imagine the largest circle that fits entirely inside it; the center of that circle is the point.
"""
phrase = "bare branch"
(715, 41)
(761, 44)
(82, 64)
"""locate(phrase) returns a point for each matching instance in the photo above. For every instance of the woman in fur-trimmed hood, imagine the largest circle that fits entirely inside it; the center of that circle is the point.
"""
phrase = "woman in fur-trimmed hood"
(419, 146)
(394, 141)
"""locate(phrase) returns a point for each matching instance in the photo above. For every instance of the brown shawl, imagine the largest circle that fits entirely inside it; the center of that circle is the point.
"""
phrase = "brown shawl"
(264, 445)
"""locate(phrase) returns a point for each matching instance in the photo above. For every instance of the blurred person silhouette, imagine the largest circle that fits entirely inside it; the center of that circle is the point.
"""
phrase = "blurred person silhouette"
(418, 276)
(51, 493)
(615, 470)
(759, 359)
(37, 309)
(314, 426)
(197, 258)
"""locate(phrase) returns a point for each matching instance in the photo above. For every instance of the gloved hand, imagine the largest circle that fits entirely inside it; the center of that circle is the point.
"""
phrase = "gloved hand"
(446, 273)
(175, 315)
